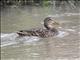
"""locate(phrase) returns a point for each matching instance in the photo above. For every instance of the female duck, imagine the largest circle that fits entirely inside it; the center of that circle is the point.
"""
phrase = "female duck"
(50, 29)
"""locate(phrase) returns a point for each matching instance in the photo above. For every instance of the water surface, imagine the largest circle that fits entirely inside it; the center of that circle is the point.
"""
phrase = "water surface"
(64, 46)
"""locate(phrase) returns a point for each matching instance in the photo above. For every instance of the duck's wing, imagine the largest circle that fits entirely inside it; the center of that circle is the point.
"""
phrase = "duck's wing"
(33, 32)
(41, 32)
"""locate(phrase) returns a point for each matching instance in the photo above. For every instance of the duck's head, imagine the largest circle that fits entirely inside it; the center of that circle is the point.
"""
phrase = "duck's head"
(49, 23)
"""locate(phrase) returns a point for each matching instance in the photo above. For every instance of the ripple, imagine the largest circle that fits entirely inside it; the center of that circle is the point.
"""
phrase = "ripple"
(12, 39)
(70, 30)
(62, 34)
(65, 14)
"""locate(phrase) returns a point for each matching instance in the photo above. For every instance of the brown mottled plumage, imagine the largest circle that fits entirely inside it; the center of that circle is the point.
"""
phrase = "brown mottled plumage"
(50, 30)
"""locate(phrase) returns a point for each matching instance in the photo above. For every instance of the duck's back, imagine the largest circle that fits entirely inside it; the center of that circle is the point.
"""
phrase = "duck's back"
(37, 32)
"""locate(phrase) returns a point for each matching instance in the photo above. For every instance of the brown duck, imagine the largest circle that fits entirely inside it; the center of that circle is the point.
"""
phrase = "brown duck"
(50, 29)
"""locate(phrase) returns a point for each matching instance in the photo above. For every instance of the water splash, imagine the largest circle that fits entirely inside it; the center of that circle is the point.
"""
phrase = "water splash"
(62, 34)
(12, 39)
(8, 39)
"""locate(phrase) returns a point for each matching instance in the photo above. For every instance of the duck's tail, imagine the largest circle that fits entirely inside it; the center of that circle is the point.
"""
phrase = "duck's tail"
(20, 33)
(27, 33)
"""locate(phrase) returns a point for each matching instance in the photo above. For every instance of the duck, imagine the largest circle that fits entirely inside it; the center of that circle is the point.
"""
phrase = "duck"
(49, 29)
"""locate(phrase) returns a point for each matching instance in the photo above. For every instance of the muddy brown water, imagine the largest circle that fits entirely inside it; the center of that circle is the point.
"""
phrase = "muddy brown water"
(64, 46)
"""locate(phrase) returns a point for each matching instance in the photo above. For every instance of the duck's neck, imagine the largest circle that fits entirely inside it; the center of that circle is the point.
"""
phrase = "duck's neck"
(53, 30)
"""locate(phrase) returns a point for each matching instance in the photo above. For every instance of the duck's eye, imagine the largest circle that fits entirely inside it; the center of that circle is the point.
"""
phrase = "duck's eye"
(21, 31)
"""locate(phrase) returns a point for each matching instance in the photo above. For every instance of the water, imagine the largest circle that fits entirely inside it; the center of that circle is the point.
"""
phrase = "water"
(64, 46)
